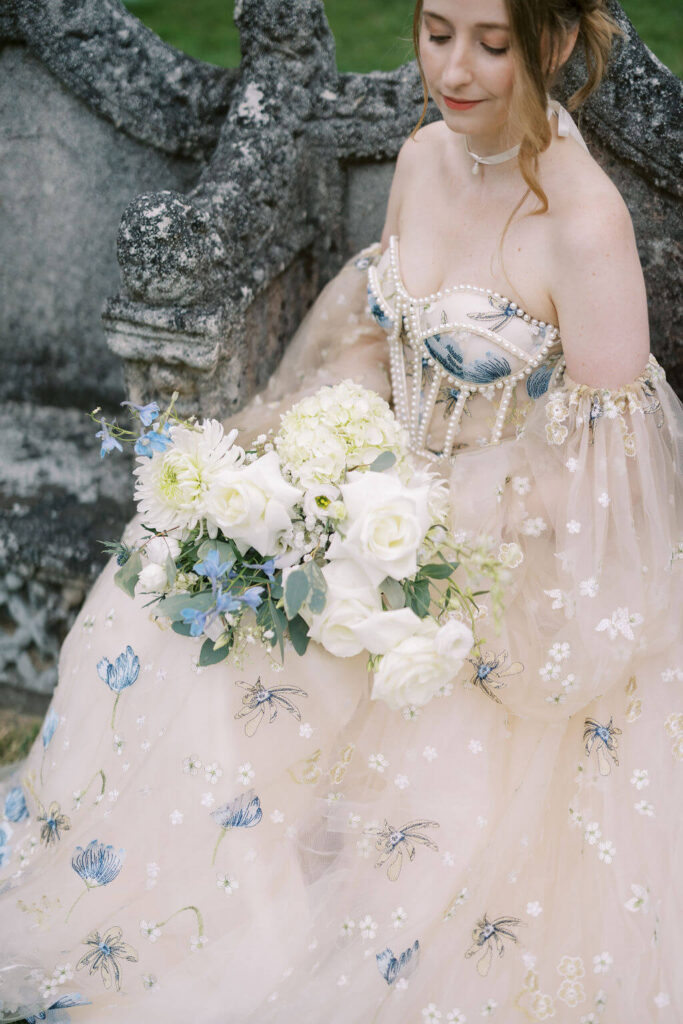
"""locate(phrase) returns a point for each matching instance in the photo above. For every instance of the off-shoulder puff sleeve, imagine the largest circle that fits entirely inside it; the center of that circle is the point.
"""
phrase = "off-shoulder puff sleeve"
(338, 339)
(592, 493)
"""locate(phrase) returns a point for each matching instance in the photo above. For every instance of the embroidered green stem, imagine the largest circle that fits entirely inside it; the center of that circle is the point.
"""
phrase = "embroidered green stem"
(78, 898)
(224, 832)
(113, 713)
(196, 910)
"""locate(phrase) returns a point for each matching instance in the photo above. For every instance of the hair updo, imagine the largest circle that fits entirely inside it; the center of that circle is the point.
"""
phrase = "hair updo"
(538, 30)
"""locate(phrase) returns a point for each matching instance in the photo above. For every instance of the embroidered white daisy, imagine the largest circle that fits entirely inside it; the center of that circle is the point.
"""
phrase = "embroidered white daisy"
(277, 817)
(197, 942)
(447, 859)
(572, 465)
(604, 499)
(245, 773)
(640, 778)
(149, 982)
(534, 526)
(227, 884)
(489, 1008)
(588, 587)
(661, 1000)
(475, 746)
(560, 651)
(398, 917)
(534, 908)
(456, 1017)
(401, 782)
(347, 927)
(208, 800)
(191, 765)
(410, 712)
(429, 754)
(573, 526)
(645, 807)
(306, 730)
(368, 927)
(353, 820)
(176, 817)
(153, 869)
(431, 1013)
(521, 485)
(606, 851)
(592, 833)
(118, 744)
(62, 973)
(150, 930)
(377, 763)
(212, 773)
(639, 900)
(602, 963)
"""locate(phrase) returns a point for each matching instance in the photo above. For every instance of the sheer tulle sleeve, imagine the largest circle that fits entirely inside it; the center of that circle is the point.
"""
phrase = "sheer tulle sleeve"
(337, 339)
(591, 492)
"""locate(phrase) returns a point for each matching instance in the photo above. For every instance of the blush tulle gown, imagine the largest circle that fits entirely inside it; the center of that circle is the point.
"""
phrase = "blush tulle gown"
(256, 843)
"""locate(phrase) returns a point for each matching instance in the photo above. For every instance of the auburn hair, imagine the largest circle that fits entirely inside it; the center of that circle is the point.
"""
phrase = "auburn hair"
(537, 32)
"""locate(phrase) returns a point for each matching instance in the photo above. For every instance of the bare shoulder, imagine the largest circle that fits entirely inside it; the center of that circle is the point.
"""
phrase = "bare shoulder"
(414, 156)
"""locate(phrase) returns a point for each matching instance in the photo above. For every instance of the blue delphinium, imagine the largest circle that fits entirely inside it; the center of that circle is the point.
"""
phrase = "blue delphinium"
(212, 567)
(267, 568)
(108, 442)
(155, 440)
(97, 864)
(147, 413)
(49, 727)
(122, 673)
(15, 805)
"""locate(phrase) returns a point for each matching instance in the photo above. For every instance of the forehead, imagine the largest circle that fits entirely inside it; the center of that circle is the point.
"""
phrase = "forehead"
(471, 12)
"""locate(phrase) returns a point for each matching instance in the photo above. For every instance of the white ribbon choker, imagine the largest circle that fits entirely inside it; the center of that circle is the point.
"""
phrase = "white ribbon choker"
(498, 158)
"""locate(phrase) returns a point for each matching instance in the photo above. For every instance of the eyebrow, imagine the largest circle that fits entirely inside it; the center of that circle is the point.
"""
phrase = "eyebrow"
(481, 24)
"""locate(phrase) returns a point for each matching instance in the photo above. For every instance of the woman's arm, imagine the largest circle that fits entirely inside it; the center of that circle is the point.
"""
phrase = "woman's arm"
(599, 291)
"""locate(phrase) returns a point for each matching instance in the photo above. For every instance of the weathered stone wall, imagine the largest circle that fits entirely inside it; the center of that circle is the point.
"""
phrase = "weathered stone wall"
(229, 197)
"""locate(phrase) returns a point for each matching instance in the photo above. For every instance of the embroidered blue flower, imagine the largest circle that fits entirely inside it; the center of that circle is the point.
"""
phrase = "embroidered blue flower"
(15, 805)
(72, 999)
(538, 381)
(108, 442)
(480, 371)
(49, 727)
(242, 812)
(97, 864)
(390, 966)
(54, 822)
(378, 313)
(155, 440)
(104, 955)
(147, 413)
(122, 673)
(5, 850)
(604, 739)
(487, 936)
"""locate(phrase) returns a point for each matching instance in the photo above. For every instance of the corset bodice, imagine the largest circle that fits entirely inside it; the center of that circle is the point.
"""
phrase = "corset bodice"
(461, 352)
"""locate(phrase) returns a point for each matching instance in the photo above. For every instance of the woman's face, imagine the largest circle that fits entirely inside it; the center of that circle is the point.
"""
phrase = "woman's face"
(467, 61)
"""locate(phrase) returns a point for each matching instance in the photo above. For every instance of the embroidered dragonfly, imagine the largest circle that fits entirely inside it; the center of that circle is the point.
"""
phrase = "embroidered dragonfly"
(487, 936)
(490, 672)
(504, 312)
(396, 843)
(259, 700)
(602, 738)
(390, 966)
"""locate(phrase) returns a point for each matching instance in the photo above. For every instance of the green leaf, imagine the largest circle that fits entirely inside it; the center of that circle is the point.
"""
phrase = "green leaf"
(169, 566)
(436, 572)
(385, 460)
(210, 656)
(298, 634)
(279, 620)
(297, 589)
(420, 598)
(173, 606)
(224, 549)
(393, 591)
(318, 592)
(182, 628)
(127, 576)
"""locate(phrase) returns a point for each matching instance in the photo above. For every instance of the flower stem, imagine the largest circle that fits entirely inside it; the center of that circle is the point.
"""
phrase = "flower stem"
(223, 833)
(113, 713)
(74, 904)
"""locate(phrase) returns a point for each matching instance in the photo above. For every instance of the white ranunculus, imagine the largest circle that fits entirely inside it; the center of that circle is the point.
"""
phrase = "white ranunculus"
(351, 598)
(158, 549)
(152, 579)
(252, 505)
(386, 523)
(172, 485)
(415, 670)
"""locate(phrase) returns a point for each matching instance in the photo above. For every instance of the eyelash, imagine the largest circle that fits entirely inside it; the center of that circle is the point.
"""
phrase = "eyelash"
(494, 51)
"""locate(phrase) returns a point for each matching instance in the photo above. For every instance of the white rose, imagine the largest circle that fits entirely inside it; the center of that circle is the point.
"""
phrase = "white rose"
(415, 670)
(152, 579)
(158, 549)
(385, 525)
(351, 598)
(252, 505)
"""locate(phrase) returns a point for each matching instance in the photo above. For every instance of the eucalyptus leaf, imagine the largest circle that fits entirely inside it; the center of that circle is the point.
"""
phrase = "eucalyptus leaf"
(127, 576)
(318, 593)
(181, 628)
(436, 571)
(224, 549)
(210, 656)
(385, 460)
(298, 634)
(297, 589)
(169, 566)
(173, 605)
(393, 591)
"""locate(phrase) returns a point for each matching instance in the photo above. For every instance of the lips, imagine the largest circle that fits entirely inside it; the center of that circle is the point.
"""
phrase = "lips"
(461, 104)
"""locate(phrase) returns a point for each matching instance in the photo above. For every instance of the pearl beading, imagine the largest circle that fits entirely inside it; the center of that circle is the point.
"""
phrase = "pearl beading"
(406, 317)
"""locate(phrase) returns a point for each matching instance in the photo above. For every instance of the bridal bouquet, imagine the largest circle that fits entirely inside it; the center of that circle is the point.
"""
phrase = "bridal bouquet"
(324, 531)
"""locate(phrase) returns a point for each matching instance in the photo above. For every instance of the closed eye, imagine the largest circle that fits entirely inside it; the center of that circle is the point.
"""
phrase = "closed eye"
(497, 51)
(439, 39)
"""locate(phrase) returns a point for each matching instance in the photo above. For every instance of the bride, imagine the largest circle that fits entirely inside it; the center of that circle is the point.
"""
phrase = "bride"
(509, 850)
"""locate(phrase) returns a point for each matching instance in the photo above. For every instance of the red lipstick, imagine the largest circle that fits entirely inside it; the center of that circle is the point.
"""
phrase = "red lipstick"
(461, 104)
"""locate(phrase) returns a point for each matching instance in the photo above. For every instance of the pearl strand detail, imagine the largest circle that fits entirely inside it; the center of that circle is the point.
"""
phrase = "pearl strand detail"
(454, 423)
(428, 409)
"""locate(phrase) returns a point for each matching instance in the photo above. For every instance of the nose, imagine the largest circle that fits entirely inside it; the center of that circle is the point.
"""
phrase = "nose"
(458, 70)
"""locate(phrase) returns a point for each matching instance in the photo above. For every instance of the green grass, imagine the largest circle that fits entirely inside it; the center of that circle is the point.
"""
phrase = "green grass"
(17, 733)
(369, 36)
